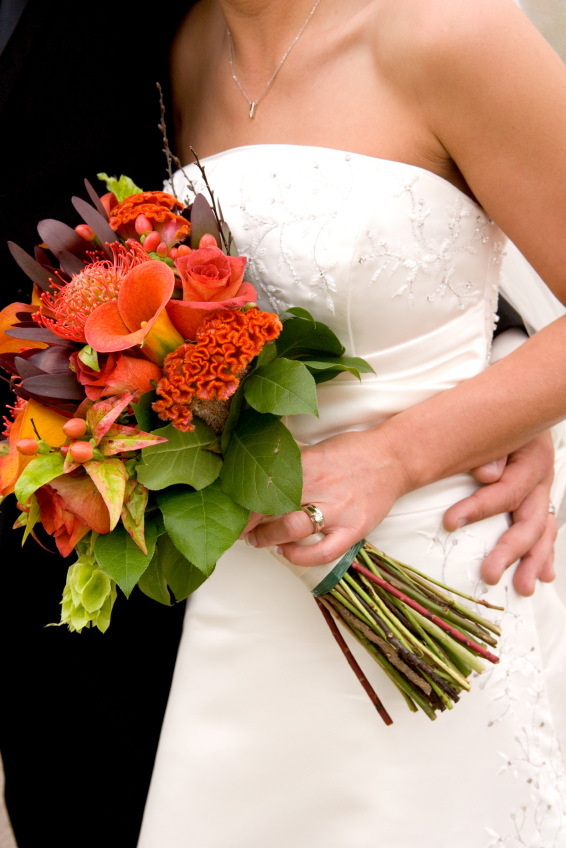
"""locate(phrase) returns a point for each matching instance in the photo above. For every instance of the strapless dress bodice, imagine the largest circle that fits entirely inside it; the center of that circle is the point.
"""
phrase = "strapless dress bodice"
(398, 261)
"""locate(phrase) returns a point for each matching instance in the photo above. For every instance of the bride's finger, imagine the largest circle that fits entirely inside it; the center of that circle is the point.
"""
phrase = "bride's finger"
(335, 545)
(255, 519)
(286, 528)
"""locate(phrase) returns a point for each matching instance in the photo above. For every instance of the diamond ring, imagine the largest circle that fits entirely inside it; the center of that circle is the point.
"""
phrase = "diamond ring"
(315, 516)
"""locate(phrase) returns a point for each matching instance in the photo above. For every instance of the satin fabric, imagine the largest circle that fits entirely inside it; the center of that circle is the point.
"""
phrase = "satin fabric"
(269, 739)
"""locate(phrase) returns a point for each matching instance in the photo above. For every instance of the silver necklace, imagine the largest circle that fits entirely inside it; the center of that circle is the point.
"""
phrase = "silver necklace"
(255, 103)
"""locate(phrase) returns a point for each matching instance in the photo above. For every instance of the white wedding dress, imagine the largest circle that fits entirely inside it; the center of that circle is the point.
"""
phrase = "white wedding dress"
(269, 741)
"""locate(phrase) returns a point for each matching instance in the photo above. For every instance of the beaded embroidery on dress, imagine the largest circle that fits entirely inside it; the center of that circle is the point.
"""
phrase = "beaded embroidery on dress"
(268, 738)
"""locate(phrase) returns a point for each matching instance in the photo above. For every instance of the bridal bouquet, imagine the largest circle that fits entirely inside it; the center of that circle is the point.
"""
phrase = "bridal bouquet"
(146, 426)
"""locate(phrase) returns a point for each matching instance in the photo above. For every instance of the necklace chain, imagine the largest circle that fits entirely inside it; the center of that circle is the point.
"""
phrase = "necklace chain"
(255, 103)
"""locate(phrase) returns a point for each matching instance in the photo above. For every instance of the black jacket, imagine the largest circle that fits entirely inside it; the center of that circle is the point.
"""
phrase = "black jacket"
(79, 714)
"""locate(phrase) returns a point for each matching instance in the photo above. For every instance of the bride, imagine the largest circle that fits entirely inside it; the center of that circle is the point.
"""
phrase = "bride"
(368, 157)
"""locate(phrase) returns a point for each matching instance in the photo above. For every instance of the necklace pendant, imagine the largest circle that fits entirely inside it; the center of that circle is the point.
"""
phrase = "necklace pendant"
(252, 109)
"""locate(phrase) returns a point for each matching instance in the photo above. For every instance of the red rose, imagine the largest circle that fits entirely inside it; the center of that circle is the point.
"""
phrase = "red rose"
(211, 280)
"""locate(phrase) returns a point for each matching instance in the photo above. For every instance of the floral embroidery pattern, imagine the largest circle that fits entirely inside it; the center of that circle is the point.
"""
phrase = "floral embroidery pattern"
(427, 256)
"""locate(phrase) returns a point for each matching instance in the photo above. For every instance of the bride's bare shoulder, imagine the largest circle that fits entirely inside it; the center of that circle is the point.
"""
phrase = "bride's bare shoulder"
(413, 33)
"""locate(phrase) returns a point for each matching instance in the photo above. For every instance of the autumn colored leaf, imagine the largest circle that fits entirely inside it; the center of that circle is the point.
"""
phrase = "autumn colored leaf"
(83, 498)
(109, 478)
(121, 438)
(102, 415)
(136, 502)
(135, 529)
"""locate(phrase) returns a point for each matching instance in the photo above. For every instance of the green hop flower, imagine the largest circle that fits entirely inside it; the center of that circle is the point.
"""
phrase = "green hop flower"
(88, 596)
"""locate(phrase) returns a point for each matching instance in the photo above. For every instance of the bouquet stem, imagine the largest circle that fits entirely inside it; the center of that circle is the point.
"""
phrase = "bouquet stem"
(408, 627)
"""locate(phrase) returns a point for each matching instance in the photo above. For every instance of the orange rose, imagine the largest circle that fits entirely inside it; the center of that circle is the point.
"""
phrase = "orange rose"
(211, 280)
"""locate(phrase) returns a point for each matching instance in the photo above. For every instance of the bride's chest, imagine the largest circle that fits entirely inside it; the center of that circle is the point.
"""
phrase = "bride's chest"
(378, 249)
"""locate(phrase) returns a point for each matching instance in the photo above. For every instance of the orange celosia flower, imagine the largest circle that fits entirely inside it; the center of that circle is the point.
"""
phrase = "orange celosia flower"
(227, 341)
(66, 310)
(161, 210)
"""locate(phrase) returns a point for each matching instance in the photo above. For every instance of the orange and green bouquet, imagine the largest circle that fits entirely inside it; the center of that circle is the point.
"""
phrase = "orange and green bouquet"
(147, 426)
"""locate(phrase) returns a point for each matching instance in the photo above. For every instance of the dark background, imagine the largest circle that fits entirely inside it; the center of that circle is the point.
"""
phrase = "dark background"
(79, 714)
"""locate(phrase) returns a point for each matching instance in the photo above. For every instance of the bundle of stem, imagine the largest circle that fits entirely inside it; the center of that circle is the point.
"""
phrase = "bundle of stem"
(426, 641)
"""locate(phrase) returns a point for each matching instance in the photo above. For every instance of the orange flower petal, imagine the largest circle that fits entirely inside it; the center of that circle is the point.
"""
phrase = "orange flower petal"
(7, 320)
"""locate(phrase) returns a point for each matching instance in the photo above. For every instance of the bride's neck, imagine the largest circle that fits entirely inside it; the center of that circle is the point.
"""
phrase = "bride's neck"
(264, 28)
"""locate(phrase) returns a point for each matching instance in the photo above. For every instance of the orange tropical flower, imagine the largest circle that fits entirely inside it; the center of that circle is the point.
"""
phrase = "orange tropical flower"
(138, 316)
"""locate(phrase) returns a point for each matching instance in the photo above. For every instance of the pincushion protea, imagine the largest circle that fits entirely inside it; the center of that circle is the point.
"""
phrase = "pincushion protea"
(65, 309)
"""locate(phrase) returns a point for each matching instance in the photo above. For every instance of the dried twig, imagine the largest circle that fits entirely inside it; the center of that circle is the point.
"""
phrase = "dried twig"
(218, 215)
(352, 662)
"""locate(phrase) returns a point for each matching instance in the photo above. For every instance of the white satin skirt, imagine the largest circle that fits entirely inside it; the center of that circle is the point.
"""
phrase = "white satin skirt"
(269, 741)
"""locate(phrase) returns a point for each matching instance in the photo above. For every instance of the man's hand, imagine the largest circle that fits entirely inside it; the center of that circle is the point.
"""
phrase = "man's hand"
(519, 484)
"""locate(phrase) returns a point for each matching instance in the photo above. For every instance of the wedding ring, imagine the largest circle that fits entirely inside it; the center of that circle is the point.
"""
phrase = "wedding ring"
(315, 516)
(552, 509)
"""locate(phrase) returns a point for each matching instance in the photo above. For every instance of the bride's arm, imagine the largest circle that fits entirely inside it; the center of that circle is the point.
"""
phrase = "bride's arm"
(494, 94)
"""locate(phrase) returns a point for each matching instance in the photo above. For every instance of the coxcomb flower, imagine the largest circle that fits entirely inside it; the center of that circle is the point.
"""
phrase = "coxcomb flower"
(151, 210)
(210, 370)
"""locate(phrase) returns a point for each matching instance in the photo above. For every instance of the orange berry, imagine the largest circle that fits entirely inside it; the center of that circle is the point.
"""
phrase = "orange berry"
(64, 450)
(27, 447)
(151, 241)
(183, 250)
(81, 451)
(74, 428)
(207, 240)
(85, 232)
(143, 225)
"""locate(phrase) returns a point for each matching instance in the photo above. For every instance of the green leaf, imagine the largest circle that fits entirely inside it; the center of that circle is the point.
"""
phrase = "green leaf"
(262, 469)
(236, 405)
(37, 473)
(109, 477)
(354, 364)
(143, 410)
(300, 313)
(120, 558)
(285, 387)
(325, 376)
(152, 582)
(300, 337)
(89, 357)
(202, 525)
(266, 355)
(33, 517)
(4, 448)
(181, 575)
(180, 459)
(122, 188)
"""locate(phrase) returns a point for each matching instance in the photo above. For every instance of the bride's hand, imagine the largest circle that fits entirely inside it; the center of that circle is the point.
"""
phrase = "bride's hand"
(520, 486)
(354, 479)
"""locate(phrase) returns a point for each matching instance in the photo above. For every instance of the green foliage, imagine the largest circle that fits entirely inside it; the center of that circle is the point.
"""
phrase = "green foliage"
(236, 406)
(143, 412)
(300, 313)
(262, 470)
(181, 575)
(354, 364)
(89, 357)
(38, 472)
(119, 557)
(153, 583)
(303, 337)
(202, 525)
(122, 188)
(284, 387)
(180, 459)
(32, 517)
